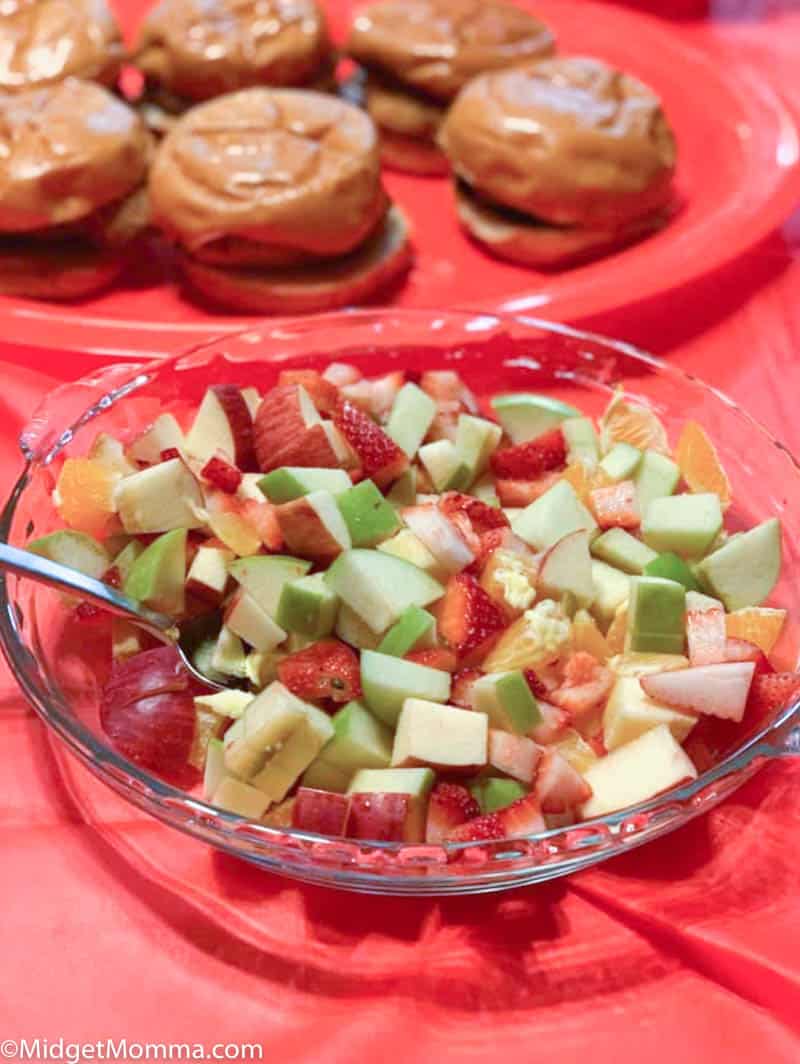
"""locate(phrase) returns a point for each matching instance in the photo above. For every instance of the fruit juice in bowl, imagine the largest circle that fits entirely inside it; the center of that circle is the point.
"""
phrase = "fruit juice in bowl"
(492, 599)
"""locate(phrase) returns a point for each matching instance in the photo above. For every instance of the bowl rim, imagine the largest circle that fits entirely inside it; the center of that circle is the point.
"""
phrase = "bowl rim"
(135, 782)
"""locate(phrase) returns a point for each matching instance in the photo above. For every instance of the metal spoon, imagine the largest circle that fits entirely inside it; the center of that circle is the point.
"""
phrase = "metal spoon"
(164, 628)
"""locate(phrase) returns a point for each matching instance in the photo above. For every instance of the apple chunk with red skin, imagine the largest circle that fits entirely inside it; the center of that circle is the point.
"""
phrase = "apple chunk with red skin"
(320, 811)
(443, 737)
(718, 690)
(313, 527)
(159, 499)
(288, 431)
(567, 567)
(223, 423)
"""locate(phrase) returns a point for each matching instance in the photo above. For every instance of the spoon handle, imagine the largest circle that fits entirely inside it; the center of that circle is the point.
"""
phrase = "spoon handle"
(24, 563)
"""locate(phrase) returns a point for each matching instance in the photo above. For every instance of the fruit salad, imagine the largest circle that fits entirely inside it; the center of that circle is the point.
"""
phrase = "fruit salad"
(435, 620)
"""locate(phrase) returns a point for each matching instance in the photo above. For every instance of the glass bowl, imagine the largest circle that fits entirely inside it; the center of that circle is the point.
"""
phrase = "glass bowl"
(60, 662)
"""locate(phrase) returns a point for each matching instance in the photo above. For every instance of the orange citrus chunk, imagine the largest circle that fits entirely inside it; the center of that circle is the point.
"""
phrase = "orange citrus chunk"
(587, 636)
(585, 480)
(699, 463)
(615, 636)
(756, 624)
(626, 422)
(85, 495)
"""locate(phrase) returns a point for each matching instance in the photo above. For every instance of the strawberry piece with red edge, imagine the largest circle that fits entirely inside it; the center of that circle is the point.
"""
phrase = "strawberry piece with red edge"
(263, 519)
(772, 692)
(326, 669)
(469, 620)
(324, 394)
(586, 684)
(559, 787)
(450, 805)
(481, 516)
(169, 453)
(529, 460)
(379, 456)
(551, 726)
(522, 817)
(518, 493)
(435, 658)
(616, 506)
(461, 690)
(219, 472)
(705, 636)
(742, 650)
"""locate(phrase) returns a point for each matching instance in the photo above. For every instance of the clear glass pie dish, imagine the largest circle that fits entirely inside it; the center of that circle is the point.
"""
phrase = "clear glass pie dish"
(60, 668)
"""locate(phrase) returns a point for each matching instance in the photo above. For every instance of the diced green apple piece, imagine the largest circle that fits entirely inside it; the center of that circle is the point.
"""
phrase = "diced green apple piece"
(387, 682)
(656, 622)
(350, 628)
(445, 466)
(581, 440)
(566, 568)
(268, 721)
(442, 737)
(476, 440)
(157, 577)
(236, 797)
(552, 516)
(164, 497)
(308, 606)
(636, 771)
(123, 562)
(506, 699)
(265, 576)
(225, 703)
(215, 771)
(683, 524)
(629, 713)
(656, 476)
(745, 570)
(251, 622)
(670, 567)
(621, 462)
(611, 589)
(369, 517)
(414, 629)
(291, 482)
(411, 549)
(415, 782)
(494, 793)
(359, 740)
(229, 656)
(411, 417)
(73, 549)
(525, 416)
(323, 776)
(296, 753)
(223, 422)
(380, 586)
(622, 550)
(404, 489)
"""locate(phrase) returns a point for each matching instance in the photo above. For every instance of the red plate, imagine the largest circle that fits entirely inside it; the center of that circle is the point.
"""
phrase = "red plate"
(738, 177)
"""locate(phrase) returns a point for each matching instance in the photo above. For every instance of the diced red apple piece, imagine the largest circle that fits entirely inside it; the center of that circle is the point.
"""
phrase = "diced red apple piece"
(289, 432)
(718, 690)
(380, 817)
(449, 806)
(322, 812)
(440, 536)
(221, 474)
(313, 527)
(559, 787)
(163, 435)
(223, 423)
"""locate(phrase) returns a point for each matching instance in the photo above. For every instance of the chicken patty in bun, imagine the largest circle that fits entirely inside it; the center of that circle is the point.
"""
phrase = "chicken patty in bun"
(558, 160)
(73, 170)
(418, 54)
(275, 202)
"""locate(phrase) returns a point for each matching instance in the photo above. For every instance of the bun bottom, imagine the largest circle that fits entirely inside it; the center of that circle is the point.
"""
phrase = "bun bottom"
(57, 272)
(414, 155)
(313, 287)
(509, 235)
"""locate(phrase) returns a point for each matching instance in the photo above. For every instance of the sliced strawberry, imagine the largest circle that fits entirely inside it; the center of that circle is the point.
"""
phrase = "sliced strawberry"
(469, 621)
(324, 394)
(552, 724)
(327, 669)
(450, 806)
(461, 691)
(559, 787)
(523, 492)
(616, 506)
(479, 829)
(220, 473)
(741, 650)
(447, 386)
(537, 685)
(435, 658)
(772, 692)
(481, 516)
(523, 817)
(586, 684)
(169, 453)
(529, 460)
(514, 755)
(375, 397)
(705, 636)
(379, 456)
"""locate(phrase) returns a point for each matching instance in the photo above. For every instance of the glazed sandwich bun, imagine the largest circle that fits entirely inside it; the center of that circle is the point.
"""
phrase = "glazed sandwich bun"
(73, 167)
(274, 198)
(44, 41)
(193, 50)
(559, 158)
(418, 54)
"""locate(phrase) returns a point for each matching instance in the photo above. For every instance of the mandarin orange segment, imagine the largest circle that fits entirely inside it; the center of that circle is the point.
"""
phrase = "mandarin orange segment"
(756, 624)
(85, 493)
(699, 463)
(626, 422)
(615, 636)
(585, 480)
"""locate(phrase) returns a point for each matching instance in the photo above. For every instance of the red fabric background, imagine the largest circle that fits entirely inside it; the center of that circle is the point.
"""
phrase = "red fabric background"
(686, 950)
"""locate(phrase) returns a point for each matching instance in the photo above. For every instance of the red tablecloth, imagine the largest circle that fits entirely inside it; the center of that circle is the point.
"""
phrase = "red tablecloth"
(686, 950)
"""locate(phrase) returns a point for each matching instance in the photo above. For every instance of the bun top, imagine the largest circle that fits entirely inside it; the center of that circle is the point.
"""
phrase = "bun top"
(65, 151)
(199, 49)
(291, 169)
(571, 141)
(437, 46)
(45, 41)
